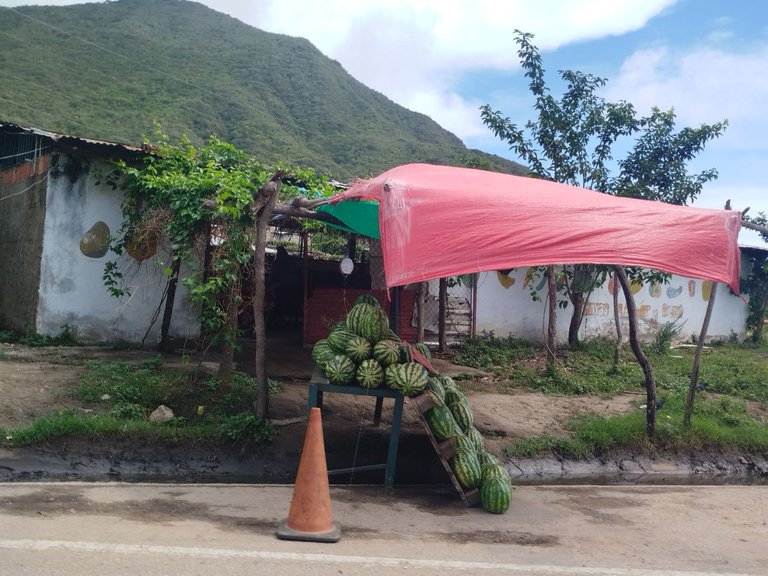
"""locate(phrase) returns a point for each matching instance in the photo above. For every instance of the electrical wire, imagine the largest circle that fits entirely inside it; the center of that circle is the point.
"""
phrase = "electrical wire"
(25, 189)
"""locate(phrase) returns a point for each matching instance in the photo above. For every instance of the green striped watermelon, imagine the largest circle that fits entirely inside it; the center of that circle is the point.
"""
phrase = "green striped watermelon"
(462, 414)
(367, 299)
(466, 468)
(321, 352)
(453, 395)
(368, 321)
(447, 382)
(422, 348)
(434, 386)
(410, 378)
(369, 374)
(338, 339)
(358, 348)
(441, 422)
(495, 495)
(386, 352)
(477, 438)
(494, 471)
(339, 369)
(392, 336)
(462, 443)
(486, 458)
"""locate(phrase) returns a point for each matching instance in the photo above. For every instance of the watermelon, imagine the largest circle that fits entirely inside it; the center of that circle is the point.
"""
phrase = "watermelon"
(367, 299)
(321, 352)
(495, 495)
(358, 348)
(410, 378)
(462, 414)
(392, 336)
(422, 348)
(368, 321)
(494, 471)
(441, 422)
(338, 339)
(477, 439)
(405, 353)
(436, 401)
(454, 396)
(466, 468)
(386, 352)
(369, 374)
(486, 458)
(434, 386)
(447, 383)
(462, 443)
(339, 369)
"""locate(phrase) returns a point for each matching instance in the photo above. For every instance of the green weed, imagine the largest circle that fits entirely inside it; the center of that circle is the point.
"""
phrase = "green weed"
(718, 423)
(63, 338)
(246, 430)
(488, 351)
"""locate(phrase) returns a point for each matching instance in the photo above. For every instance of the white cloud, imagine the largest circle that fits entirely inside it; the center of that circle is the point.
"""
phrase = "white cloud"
(704, 85)
(412, 50)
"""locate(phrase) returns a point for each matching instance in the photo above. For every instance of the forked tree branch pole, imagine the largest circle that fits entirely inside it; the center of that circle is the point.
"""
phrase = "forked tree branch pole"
(642, 359)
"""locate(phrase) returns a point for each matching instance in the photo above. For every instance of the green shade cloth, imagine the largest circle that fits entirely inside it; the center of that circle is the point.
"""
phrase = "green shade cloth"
(358, 216)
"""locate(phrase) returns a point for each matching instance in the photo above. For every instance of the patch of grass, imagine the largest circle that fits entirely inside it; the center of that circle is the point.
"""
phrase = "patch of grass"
(122, 395)
(63, 338)
(68, 424)
(8, 337)
(490, 352)
(740, 370)
(718, 423)
(547, 444)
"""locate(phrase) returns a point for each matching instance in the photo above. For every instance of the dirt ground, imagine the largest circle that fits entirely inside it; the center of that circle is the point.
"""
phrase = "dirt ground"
(37, 381)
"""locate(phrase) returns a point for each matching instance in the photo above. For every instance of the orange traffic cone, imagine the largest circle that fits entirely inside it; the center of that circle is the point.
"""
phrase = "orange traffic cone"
(310, 518)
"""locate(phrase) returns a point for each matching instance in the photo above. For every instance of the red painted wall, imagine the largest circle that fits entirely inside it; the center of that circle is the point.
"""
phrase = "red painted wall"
(326, 306)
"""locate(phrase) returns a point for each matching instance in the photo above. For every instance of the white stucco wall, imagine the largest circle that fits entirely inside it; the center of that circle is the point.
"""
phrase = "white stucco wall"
(504, 306)
(72, 290)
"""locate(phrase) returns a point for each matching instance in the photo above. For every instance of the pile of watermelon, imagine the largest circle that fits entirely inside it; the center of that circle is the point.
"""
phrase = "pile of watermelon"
(362, 350)
(450, 418)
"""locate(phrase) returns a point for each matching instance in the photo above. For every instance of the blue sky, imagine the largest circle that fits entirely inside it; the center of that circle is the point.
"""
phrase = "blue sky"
(706, 58)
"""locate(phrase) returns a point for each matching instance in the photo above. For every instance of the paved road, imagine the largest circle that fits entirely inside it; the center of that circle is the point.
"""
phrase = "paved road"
(122, 529)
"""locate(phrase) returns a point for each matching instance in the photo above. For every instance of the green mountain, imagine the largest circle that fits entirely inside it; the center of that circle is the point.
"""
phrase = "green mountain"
(117, 70)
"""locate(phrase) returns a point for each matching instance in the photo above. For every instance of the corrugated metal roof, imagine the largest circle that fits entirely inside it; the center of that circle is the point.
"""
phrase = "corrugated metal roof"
(68, 138)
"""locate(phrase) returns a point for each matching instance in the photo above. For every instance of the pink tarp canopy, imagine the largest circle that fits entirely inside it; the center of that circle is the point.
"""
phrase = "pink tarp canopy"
(439, 221)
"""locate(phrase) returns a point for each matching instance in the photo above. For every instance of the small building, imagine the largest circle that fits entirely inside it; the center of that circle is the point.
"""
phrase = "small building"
(56, 220)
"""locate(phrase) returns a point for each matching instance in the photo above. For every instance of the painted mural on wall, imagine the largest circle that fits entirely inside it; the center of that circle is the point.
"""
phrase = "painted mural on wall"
(504, 306)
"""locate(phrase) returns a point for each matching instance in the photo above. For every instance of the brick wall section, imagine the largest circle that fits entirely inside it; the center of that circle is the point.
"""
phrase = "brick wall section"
(22, 220)
(20, 173)
(326, 306)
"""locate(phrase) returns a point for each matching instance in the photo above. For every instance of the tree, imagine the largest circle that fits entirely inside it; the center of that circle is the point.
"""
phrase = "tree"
(756, 283)
(218, 201)
(571, 141)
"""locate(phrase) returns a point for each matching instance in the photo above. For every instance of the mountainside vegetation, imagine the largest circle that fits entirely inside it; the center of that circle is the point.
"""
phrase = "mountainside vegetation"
(118, 70)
